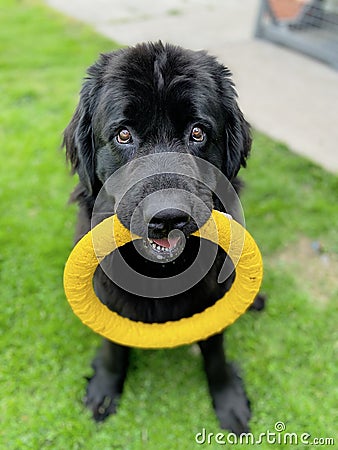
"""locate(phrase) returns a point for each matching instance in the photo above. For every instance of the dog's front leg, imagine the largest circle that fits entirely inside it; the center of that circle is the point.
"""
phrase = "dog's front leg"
(105, 386)
(226, 387)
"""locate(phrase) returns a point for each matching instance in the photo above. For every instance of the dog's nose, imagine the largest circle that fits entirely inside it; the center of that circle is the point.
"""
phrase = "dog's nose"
(169, 219)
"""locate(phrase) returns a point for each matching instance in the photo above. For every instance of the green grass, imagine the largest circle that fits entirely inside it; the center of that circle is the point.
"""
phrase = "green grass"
(286, 353)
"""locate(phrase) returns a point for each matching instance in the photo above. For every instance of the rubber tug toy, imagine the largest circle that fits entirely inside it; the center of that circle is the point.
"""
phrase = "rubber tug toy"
(220, 229)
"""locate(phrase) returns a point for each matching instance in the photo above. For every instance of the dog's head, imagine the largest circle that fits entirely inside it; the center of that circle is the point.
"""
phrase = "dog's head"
(157, 111)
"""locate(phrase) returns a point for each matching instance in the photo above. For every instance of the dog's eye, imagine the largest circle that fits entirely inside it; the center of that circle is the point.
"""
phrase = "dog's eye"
(197, 134)
(124, 136)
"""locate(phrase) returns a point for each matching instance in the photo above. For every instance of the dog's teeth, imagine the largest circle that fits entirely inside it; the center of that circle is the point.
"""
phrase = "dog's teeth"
(158, 248)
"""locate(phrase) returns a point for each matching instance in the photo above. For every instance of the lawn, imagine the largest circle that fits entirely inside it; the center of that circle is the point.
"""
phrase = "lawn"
(287, 353)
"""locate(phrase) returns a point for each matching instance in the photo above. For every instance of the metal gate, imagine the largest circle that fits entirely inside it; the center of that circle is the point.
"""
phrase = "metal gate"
(309, 26)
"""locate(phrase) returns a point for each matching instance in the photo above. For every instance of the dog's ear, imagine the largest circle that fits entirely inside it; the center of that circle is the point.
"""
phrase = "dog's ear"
(78, 139)
(238, 143)
(237, 138)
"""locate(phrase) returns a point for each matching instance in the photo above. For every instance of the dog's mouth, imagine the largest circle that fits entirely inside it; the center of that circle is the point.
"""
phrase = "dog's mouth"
(165, 249)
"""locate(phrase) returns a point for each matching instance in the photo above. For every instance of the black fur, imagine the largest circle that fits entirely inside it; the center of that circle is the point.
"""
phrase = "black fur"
(159, 93)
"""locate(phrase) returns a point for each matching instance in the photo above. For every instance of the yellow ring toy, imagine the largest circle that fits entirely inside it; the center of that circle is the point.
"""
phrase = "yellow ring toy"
(110, 234)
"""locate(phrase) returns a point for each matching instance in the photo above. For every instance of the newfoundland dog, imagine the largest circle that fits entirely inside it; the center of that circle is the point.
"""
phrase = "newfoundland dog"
(156, 133)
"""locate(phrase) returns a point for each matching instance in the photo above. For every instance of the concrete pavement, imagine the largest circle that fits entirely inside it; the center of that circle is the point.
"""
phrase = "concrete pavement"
(286, 95)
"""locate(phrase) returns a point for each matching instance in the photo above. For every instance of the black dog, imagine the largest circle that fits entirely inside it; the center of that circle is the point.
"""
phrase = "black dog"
(146, 109)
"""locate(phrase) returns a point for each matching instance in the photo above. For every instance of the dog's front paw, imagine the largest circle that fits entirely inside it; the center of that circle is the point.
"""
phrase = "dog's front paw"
(232, 406)
(234, 413)
(101, 395)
